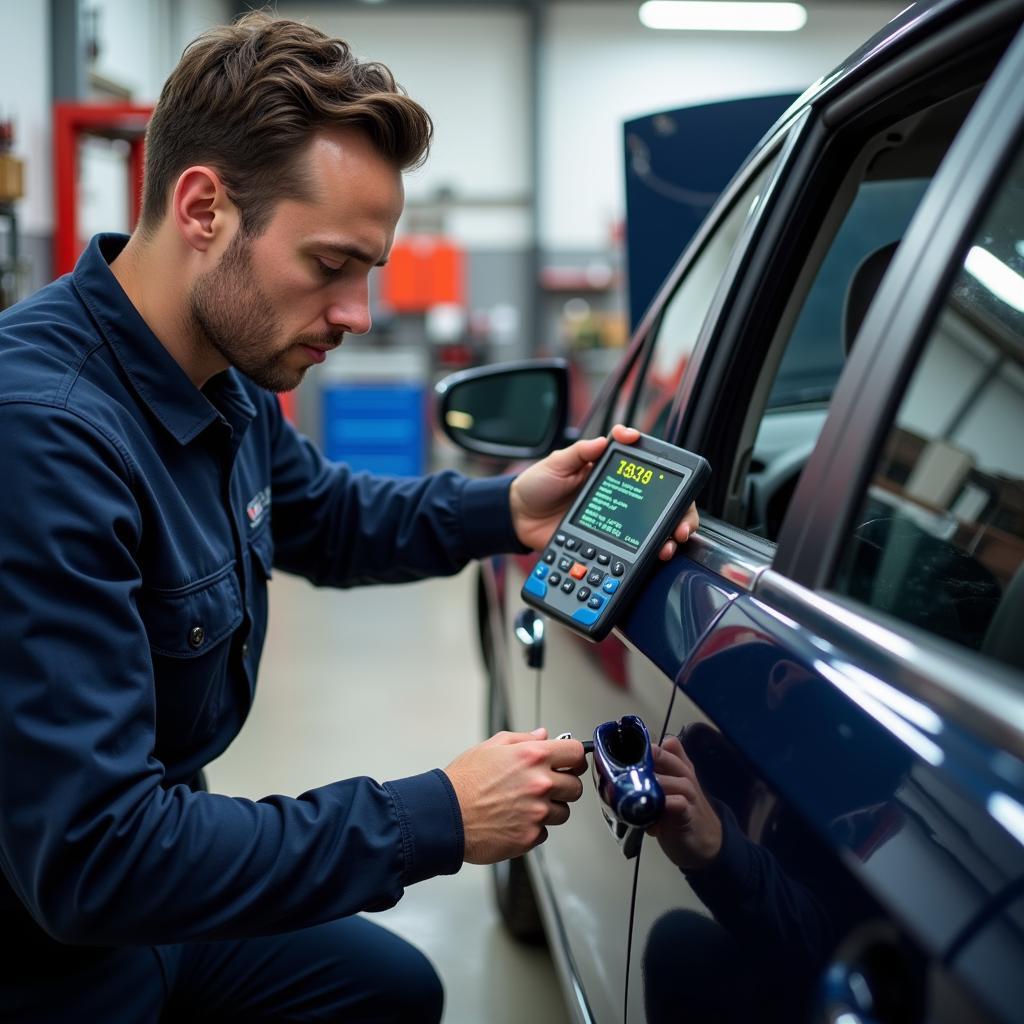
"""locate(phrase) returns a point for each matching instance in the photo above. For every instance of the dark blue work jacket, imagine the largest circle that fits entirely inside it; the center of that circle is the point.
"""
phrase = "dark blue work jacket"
(139, 521)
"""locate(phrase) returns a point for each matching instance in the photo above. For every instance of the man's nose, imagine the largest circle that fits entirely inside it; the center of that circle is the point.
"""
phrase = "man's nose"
(351, 314)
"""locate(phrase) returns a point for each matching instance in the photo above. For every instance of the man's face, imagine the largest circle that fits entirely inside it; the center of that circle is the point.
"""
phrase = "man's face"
(276, 304)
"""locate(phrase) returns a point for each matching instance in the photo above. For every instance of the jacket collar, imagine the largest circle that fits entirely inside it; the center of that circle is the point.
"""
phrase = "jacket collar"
(154, 374)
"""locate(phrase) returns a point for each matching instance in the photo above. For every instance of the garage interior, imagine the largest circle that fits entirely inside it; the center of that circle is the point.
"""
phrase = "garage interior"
(513, 244)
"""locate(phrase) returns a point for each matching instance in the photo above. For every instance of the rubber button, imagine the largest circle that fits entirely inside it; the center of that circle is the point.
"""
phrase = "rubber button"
(610, 586)
(583, 593)
(588, 551)
(595, 577)
(559, 539)
(550, 555)
(596, 602)
(535, 587)
(554, 579)
(603, 558)
(571, 543)
(568, 587)
(578, 571)
(565, 564)
(585, 616)
(618, 568)
(541, 571)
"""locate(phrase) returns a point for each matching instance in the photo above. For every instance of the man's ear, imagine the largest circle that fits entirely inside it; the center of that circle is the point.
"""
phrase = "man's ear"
(201, 209)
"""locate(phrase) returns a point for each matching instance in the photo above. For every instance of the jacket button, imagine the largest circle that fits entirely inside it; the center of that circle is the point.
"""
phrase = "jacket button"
(196, 636)
(245, 649)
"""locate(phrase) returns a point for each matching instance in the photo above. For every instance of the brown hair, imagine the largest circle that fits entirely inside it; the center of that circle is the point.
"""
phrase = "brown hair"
(246, 98)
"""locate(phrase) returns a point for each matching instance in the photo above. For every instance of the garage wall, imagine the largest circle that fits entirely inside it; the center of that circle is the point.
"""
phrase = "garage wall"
(467, 66)
(24, 98)
(139, 42)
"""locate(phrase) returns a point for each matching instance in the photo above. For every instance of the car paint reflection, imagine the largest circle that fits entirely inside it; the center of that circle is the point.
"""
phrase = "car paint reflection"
(845, 815)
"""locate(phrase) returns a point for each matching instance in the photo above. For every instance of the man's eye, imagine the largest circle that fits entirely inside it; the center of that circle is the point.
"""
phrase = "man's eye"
(327, 269)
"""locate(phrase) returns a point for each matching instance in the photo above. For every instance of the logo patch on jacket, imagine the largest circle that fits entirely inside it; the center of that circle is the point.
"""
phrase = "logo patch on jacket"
(258, 507)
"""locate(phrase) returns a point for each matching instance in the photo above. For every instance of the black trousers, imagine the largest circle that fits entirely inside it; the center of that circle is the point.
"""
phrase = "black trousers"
(345, 970)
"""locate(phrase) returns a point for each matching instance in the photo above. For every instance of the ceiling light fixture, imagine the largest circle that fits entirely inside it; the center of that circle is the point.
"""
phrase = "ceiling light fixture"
(723, 15)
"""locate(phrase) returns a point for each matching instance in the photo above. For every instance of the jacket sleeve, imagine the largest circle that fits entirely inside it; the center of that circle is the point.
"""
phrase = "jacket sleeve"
(92, 841)
(340, 528)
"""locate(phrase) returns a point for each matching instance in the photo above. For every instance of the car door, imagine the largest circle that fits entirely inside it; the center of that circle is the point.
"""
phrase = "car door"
(571, 685)
(852, 722)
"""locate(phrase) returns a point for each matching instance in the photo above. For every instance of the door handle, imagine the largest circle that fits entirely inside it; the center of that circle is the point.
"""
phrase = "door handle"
(529, 630)
(631, 796)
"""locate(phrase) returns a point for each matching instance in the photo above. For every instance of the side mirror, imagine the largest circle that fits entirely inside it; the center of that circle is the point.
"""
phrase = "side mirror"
(508, 411)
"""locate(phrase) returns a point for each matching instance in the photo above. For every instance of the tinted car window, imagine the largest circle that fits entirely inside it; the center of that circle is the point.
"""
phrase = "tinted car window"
(817, 347)
(679, 327)
(870, 213)
(939, 540)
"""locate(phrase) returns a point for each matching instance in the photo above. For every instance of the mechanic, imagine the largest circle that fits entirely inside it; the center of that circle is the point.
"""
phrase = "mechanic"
(151, 484)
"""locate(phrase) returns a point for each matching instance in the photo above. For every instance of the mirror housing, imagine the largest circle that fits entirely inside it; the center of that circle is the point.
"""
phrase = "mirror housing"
(516, 410)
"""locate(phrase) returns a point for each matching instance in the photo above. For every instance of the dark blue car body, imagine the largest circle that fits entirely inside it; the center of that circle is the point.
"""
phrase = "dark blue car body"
(839, 648)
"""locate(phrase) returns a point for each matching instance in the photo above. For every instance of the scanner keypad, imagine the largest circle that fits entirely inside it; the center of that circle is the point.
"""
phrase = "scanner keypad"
(580, 570)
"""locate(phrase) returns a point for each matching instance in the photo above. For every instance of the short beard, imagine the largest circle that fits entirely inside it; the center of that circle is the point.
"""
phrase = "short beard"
(228, 311)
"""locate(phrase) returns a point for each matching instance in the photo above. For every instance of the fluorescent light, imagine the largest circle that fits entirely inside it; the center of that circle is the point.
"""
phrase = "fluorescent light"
(1002, 281)
(723, 15)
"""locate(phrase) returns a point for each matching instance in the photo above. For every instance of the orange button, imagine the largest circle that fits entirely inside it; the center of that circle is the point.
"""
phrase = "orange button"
(577, 572)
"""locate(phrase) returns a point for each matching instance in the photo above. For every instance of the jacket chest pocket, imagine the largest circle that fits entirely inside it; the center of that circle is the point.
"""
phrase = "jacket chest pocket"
(190, 630)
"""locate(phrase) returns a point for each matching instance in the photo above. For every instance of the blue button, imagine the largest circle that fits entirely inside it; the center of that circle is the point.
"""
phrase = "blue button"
(541, 571)
(586, 616)
(535, 587)
(610, 586)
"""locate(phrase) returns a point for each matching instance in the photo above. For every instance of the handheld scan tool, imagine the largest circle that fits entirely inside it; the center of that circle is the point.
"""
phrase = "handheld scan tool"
(602, 549)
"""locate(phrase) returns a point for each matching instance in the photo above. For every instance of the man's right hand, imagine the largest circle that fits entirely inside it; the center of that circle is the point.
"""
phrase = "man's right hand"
(511, 787)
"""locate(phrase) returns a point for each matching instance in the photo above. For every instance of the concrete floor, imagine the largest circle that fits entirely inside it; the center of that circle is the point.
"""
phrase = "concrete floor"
(385, 682)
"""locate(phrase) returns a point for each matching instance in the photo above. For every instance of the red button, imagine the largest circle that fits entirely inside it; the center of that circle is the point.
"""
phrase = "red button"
(577, 572)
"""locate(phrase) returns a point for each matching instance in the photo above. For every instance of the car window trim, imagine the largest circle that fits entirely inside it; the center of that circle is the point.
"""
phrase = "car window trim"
(701, 390)
(947, 42)
(785, 145)
(735, 555)
(644, 338)
(732, 194)
(604, 403)
(978, 693)
(897, 326)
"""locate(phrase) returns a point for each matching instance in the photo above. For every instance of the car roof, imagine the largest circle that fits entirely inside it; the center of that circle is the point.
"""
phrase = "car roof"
(910, 27)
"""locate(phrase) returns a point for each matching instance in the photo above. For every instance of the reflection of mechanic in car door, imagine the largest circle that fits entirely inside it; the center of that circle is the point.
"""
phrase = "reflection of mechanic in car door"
(769, 934)
(779, 913)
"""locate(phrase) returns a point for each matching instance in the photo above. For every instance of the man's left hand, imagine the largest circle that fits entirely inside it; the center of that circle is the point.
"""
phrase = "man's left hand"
(541, 494)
